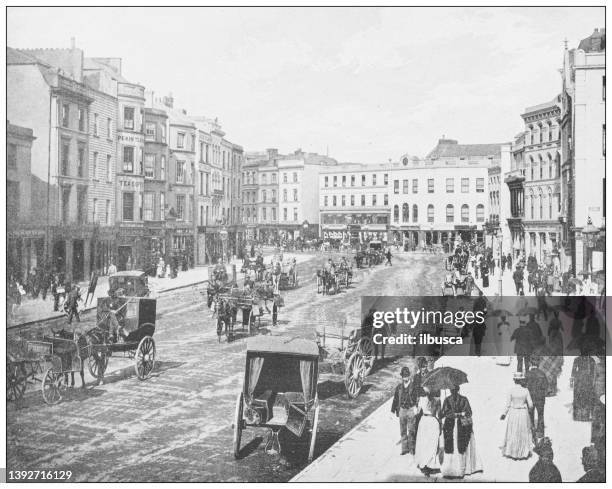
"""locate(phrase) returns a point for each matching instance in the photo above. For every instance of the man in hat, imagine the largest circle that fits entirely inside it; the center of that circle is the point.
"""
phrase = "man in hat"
(522, 346)
(593, 467)
(537, 385)
(544, 470)
(404, 407)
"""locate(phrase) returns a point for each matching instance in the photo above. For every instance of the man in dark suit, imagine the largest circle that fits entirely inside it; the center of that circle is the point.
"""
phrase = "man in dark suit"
(480, 329)
(522, 346)
(537, 385)
(404, 407)
(537, 337)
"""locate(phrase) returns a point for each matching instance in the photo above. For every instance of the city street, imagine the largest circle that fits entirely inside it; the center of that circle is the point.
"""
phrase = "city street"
(176, 426)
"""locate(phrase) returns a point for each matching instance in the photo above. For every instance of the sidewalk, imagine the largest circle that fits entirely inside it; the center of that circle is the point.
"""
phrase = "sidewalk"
(370, 452)
(508, 287)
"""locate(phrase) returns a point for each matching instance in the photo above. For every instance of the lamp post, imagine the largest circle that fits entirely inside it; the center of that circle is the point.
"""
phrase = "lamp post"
(589, 237)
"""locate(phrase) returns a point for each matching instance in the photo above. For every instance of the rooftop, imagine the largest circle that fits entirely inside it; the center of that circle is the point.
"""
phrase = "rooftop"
(17, 57)
(595, 43)
(448, 148)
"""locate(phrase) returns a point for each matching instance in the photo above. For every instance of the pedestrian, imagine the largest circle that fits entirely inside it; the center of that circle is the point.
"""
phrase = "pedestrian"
(509, 261)
(479, 328)
(537, 338)
(404, 407)
(460, 456)
(91, 290)
(161, 268)
(537, 385)
(388, 262)
(45, 283)
(112, 269)
(503, 263)
(518, 440)
(544, 470)
(469, 284)
(593, 464)
(72, 303)
(428, 433)
(522, 345)
(582, 381)
(484, 271)
(505, 346)
(128, 263)
(519, 278)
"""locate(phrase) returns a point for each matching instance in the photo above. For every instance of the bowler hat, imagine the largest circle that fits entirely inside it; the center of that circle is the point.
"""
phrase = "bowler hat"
(405, 372)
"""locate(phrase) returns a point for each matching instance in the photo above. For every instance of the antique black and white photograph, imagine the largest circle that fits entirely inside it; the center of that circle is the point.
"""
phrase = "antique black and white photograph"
(306, 244)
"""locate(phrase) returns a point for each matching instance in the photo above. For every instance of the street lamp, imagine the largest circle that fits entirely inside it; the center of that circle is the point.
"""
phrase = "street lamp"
(589, 236)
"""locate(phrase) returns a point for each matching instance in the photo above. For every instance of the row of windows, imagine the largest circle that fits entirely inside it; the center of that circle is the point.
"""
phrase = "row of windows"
(250, 178)
(450, 213)
(335, 200)
(541, 133)
(251, 216)
(542, 203)
(81, 119)
(102, 216)
(548, 168)
(450, 185)
(81, 161)
(146, 209)
(344, 180)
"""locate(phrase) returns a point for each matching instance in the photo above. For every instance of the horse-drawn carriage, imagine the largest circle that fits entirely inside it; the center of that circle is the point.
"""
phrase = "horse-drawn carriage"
(348, 351)
(456, 281)
(254, 268)
(279, 390)
(288, 278)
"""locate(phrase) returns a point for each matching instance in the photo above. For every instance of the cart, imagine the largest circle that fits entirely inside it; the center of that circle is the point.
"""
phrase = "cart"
(279, 390)
(130, 283)
(124, 325)
(288, 277)
(254, 301)
(349, 351)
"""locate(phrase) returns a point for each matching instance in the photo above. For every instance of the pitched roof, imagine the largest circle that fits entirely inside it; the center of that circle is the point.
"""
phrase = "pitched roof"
(17, 57)
(449, 148)
(595, 42)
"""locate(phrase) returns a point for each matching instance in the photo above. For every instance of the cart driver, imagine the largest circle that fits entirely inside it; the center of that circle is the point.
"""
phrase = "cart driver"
(330, 267)
(276, 272)
(343, 263)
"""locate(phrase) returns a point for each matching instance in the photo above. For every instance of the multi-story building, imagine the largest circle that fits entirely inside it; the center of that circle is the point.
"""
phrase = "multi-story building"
(25, 224)
(514, 180)
(583, 137)
(542, 184)
(250, 191)
(499, 202)
(268, 197)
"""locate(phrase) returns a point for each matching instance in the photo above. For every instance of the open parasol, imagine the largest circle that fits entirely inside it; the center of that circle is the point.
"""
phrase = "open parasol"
(444, 378)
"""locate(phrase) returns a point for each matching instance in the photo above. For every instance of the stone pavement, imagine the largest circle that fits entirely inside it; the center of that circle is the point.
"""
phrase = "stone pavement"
(370, 452)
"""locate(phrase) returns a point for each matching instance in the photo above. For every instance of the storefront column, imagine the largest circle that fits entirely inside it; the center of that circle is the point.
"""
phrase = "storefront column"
(87, 258)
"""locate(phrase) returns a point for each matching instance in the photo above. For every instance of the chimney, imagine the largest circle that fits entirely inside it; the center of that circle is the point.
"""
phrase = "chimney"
(272, 153)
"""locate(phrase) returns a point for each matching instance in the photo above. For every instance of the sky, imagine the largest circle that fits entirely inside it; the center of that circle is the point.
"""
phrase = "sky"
(364, 84)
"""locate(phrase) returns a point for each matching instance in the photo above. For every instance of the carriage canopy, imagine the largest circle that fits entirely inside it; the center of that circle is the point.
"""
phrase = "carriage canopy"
(281, 364)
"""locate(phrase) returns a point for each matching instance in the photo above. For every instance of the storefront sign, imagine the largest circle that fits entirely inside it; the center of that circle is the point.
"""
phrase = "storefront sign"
(131, 138)
(130, 184)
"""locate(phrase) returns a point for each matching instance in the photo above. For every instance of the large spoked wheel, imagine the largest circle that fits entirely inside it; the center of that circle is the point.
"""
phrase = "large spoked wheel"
(238, 425)
(97, 360)
(366, 348)
(354, 375)
(52, 386)
(145, 358)
(16, 381)
(313, 432)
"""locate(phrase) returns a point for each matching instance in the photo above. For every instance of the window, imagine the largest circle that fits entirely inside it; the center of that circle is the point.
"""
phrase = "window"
(415, 213)
(295, 195)
(465, 185)
(327, 181)
(150, 130)
(81, 161)
(264, 179)
(109, 169)
(465, 213)
(148, 206)
(344, 180)
(430, 213)
(11, 156)
(430, 185)
(363, 180)
(95, 165)
(325, 201)
(65, 115)
(263, 214)
(149, 166)
(374, 180)
(480, 185)
(450, 185)
(107, 216)
(94, 207)
(128, 206)
(335, 181)
(334, 201)
(285, 195)
(396, 186)
(285, 179)
(295, 214)
(550, 205)
(109, 128)
(352, 200)
(295, 177)
(550, 167)
(284, 214)
(415, 186)
(386, 179)
(405, 212)
(65, 161)
(273, 196)
(274, 213)
(180, 172)
(406, 186)
(344, 201)
(128, 117)
(162, 131)
(128, 159)
(263, 196)
(180, 140)
(396, 213)
(480, 213)
(95, 125)
(352, 180)
(162, 206)
(274, 178)
(180, 207)
(65, 204)
(162, 167)
(81, 119)
(81, 205)
(450, 213)
(363, 200)
(374, 200)
(386, 199)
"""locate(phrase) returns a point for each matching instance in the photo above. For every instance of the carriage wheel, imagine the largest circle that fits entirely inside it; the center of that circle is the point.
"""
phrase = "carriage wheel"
(366, 348)
(16, 381)
(145, 358)
(313, 431)
(354, 374)
(238, 425)
(52, 385)
(97, 363)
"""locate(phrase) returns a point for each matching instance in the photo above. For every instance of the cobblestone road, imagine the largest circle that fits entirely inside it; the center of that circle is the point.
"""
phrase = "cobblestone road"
(176, 426)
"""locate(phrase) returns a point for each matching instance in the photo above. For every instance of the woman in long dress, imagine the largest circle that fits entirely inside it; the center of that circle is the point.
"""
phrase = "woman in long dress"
(460, 457)
(582, 380)
(505, 343)
(518, 441)
(428, 434)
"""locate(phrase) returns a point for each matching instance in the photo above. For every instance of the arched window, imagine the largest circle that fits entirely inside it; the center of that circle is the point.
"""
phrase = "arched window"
(540, 200)
(285, 195)
(480, 213)
(405, 212)
(531, 203)
(558, 164)
(532, 166)
(545, 134)
(430, 213)
(415, 213)
(550, 167)
(450, 213)
(395, 213)
(550, 204)
(541, 167)
(465, 213)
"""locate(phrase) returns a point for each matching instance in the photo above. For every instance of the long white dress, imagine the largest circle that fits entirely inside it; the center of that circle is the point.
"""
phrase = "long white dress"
(428, 435)
(518, 440)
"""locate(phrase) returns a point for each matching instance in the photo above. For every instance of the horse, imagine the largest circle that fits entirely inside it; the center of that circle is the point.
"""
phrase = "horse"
(66, 356)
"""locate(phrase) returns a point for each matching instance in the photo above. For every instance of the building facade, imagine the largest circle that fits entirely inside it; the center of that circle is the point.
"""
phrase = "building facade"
(515, 180)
